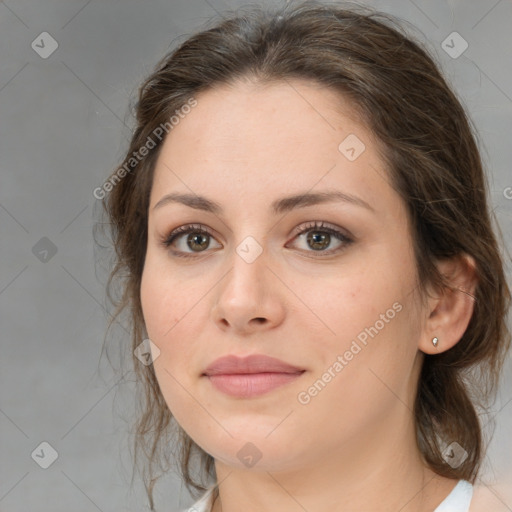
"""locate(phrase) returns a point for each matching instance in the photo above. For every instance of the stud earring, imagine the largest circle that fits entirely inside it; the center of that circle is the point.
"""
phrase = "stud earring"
(435, 341)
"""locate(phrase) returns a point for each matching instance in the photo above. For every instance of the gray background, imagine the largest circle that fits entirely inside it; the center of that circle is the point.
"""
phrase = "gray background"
(64, 124)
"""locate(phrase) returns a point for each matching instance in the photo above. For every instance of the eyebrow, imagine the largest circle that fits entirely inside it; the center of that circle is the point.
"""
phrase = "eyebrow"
(283, 205)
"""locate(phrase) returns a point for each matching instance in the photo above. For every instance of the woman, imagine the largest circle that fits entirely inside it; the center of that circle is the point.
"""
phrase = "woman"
(302, 227)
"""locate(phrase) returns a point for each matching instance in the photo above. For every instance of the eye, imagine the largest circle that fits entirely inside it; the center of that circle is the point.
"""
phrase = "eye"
(318, 237)
(198, 240)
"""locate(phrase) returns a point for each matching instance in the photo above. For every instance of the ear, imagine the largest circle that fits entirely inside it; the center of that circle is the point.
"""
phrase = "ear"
(450, 309)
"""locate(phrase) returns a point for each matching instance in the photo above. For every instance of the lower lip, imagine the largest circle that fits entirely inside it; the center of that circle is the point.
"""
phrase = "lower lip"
(249, 385)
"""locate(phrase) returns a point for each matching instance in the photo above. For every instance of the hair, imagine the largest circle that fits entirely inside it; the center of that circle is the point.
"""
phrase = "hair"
(429, 147)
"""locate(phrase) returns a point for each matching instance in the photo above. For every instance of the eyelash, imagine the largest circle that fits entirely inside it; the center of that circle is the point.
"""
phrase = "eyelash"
(168, 240)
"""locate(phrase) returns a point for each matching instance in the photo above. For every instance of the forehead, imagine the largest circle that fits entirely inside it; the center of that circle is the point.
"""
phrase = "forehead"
(261, 139)
(245, 116)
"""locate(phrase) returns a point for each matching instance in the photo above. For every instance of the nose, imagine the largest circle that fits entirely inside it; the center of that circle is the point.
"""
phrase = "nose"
(248, 298)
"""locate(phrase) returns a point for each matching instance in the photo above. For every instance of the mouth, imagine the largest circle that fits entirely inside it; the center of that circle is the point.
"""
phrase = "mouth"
(251, 375)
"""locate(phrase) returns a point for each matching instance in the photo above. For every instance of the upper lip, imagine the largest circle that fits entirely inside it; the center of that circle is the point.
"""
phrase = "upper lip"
(256, 363)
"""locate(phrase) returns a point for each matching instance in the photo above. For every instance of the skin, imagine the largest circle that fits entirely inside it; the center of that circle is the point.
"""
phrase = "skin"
(352, 447)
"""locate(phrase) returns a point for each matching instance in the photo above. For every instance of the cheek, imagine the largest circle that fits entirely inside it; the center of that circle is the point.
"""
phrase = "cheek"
(369, 318)
(167, 314)
(365, 373)
(353, 304)
(163, 302)
(175, 316)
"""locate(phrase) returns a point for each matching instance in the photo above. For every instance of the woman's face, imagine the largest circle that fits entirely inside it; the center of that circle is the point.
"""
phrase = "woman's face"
(337, 301)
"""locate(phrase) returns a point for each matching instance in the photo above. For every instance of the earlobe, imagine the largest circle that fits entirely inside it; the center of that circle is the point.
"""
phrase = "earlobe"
(450, 312)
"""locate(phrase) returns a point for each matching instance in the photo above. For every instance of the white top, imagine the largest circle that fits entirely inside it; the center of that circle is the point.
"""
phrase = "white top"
(457, 501)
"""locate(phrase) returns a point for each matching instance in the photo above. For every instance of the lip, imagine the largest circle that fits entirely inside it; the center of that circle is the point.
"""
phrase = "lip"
(250, 376)
(255, 363)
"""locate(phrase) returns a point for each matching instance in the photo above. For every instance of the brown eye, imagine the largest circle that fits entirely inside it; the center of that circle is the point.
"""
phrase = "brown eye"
(319, 237)
(197, 240)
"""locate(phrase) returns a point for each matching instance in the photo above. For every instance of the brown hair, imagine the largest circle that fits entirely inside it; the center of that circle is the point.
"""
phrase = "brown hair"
(434, 163)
